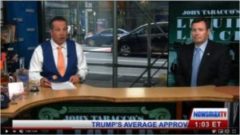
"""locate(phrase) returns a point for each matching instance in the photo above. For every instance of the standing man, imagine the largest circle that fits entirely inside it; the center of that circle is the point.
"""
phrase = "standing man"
(203, 62)
(58, 59)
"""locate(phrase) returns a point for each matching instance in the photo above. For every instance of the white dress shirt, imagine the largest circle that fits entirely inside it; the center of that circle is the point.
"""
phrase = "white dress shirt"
(36, 62)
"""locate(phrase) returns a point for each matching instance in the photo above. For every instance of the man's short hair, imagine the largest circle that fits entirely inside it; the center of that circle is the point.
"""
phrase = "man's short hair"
(202, 19)
(56, 18)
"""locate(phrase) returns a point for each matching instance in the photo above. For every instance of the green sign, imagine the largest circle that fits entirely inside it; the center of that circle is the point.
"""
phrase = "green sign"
(104, 111)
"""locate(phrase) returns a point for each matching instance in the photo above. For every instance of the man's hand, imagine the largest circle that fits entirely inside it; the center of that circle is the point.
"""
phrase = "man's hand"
(44, 82)
(75, 79)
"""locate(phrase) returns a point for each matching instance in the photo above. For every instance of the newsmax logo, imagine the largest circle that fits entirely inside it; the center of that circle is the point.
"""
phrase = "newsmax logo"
(209, 114)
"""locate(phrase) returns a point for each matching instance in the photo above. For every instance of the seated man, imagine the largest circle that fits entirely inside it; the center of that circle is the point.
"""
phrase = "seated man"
(59, 59)
(202, 63)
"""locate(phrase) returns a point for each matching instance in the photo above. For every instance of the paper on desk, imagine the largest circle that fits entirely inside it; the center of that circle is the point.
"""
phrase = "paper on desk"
(63, 86)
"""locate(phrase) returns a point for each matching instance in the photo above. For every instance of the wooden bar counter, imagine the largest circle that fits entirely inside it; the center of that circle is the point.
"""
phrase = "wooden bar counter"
(122, 95)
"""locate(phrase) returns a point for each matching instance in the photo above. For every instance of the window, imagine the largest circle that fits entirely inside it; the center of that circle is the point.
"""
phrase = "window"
(93, 29)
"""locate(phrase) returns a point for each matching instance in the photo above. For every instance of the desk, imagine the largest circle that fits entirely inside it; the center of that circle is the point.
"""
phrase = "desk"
(231, 90)
(234, 91)
(123, 95)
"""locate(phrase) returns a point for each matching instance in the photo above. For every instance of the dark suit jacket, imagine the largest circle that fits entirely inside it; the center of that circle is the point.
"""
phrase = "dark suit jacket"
(214, 67)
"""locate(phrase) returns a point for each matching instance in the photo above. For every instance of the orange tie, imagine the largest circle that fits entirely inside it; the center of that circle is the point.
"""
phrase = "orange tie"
(61, 64)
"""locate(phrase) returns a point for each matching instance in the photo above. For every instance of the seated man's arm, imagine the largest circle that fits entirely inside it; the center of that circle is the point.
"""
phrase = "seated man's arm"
(36, 67)
(82, 66)
(180, 75)
(224, 66)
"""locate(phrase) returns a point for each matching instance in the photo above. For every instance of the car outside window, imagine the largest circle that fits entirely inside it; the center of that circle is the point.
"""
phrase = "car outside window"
(155, 30)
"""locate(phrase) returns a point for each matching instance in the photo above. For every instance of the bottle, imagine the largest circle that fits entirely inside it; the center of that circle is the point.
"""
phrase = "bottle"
(3, 67)
(22, 74)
